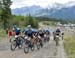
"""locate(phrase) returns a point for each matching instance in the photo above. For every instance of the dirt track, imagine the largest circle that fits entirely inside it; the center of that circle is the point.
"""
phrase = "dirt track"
(48, 51)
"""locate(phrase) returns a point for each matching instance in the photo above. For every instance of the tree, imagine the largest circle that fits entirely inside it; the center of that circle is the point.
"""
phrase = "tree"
(0, 10)
(6, 12)
(31, 21)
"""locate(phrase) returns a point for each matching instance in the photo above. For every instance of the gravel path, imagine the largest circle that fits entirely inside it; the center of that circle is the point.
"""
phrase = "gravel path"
(48, 51)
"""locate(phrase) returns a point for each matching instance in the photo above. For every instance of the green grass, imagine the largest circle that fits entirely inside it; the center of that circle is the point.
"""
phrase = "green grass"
(69, 45)
(3, 34)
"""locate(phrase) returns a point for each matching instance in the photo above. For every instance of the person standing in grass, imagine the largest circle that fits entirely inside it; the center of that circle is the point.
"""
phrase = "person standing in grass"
(7, 31)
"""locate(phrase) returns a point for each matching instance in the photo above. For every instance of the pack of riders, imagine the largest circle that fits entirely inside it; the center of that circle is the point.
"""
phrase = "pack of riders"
(30, 32)
(30, 37)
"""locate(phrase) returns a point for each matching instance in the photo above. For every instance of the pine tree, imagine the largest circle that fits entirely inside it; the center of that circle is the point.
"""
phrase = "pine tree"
(31, 21)
(0, 10)
(6, 12)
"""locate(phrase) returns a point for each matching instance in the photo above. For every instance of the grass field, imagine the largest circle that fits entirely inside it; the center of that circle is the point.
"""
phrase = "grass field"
(69, 45)
(3, 34)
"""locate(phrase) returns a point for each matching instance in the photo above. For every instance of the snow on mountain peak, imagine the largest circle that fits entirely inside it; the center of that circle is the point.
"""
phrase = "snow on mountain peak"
(55, 5)
(59, 5)
(69, 4)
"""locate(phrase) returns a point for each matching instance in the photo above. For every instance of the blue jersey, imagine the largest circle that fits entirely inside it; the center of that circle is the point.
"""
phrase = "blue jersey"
(46, 31)
(17, 31)
(29, 32)
(34, 30)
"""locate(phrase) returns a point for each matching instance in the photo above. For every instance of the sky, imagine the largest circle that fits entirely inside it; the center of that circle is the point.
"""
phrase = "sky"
(42, 3)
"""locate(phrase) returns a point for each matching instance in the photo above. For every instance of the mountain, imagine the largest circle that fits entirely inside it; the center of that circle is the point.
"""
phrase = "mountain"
(57, 10)
(26, 10)
(64, 13)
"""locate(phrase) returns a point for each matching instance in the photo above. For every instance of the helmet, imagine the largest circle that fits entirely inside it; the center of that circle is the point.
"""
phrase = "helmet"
(29, 26)
(18, 28)
(40, 29)
(14, 26)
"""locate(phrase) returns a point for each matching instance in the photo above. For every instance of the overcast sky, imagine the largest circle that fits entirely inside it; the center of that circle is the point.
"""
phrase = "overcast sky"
(42, 3)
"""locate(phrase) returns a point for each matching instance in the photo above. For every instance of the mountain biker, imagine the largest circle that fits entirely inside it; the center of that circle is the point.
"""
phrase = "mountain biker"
(17, 32)
(57, 34)
(14, 28)
(47, 34)
(17, 35)
(35, 32)
(41, 34)
(58, 31)
(28, 32)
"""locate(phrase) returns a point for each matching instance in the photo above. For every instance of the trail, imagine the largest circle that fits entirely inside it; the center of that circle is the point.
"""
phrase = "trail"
(48, 51)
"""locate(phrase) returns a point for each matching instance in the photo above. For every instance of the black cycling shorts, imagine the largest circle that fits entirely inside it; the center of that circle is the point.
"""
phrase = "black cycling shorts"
(18, 33)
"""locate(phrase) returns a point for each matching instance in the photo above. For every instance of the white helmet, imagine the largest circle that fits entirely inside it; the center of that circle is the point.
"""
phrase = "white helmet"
(40, 29)
(18, 28)
(29, 26)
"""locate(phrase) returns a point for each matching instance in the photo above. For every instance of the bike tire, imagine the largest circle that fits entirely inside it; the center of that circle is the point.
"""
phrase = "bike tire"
(26, 50)
(13, 44)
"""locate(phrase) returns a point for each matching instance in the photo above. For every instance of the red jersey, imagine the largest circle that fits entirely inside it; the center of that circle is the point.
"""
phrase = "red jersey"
(10, 33)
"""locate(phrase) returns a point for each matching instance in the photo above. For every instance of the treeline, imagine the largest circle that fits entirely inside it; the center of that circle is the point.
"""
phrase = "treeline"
(23, 21)
(8, 20)
(47, 19)
(67, 21)
(62, 21)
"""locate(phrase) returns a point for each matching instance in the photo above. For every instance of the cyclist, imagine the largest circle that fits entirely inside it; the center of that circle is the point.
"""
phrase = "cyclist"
(28, 32)
(58, 31)
(47, 33)
(17, 32)
(41, 34)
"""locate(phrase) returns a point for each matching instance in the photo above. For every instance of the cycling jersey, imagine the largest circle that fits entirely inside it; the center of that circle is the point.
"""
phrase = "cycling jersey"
(17, 31)
(58, 31)
(41, 33)
(28, 32)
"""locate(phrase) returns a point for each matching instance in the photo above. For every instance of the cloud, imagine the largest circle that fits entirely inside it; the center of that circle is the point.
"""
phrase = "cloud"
(42, 3)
